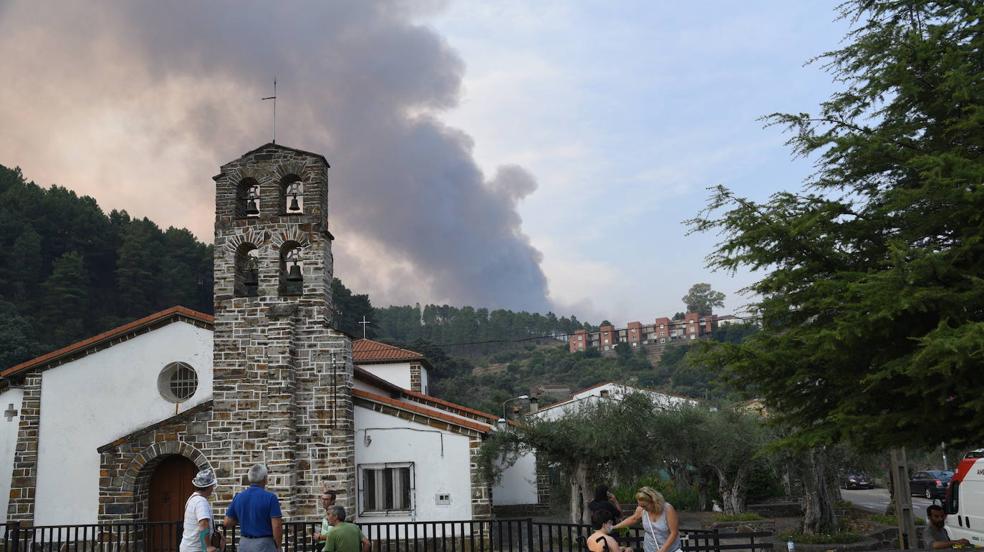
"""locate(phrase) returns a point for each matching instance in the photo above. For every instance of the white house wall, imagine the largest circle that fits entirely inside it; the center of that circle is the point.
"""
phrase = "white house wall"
(363, 386)
(100, 397)
(397, 440)
(8, 442)
(397, 373)
(517, 484)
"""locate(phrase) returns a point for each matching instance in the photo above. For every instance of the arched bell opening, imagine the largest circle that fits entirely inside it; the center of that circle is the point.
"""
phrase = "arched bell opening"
(291, 269)
(248, 199)
(247, 282)
(291, 195)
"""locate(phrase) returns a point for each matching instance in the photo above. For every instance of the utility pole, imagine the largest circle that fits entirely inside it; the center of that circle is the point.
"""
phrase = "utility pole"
(899, 467)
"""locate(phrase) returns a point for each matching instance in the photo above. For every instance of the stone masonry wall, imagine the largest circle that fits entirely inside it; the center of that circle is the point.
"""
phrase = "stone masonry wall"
(415, 384)
(481, 490)
(127, 464)
(282, 377)
(24, 472)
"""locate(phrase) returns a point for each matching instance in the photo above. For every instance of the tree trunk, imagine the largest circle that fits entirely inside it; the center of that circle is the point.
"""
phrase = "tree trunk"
(732, 492)
(890, 509)
(818, 504)
(703, 501)
(579, 488)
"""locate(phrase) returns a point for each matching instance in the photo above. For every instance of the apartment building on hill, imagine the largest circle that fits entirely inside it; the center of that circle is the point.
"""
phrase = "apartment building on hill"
(661, 331)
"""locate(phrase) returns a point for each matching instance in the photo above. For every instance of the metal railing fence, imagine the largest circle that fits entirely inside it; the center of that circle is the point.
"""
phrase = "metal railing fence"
(490, 535)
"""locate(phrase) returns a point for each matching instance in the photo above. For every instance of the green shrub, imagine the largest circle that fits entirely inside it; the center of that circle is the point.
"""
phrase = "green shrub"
(885, 519)
(747, 516)
(843, 537)
(763, 483)
(684, 499)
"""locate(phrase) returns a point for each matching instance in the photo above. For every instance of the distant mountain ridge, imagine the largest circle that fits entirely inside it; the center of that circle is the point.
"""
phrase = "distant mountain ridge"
(69, 271)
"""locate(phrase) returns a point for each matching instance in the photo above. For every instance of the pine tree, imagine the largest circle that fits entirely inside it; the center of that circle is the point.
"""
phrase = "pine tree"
(873, 303)
(65, 301)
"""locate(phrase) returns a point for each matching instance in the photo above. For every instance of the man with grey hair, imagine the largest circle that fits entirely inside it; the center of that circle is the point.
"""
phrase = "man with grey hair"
(344, 536)
(257, 511)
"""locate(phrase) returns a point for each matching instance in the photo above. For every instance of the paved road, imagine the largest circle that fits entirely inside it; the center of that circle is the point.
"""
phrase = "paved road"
(876, 500)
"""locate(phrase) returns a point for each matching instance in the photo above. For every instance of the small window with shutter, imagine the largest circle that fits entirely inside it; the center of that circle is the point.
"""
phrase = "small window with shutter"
(386, 489)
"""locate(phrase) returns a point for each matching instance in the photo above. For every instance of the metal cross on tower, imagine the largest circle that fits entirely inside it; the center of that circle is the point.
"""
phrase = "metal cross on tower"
(10, 413)
(364, 323)
(274, 98)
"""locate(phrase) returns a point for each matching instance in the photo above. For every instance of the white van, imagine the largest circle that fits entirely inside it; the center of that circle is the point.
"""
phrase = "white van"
(964, 502)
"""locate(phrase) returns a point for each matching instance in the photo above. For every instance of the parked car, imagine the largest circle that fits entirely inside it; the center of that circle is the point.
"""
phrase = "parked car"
(857, 481)
(930, 484)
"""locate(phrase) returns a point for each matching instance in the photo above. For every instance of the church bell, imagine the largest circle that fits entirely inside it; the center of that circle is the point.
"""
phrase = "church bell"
(295, 273)
(251, 208)
(293, 203)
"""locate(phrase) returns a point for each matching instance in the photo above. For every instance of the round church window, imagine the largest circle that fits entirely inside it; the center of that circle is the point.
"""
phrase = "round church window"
(177, 382)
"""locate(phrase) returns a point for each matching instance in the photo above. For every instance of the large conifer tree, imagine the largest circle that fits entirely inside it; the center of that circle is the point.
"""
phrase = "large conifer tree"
(873, 303)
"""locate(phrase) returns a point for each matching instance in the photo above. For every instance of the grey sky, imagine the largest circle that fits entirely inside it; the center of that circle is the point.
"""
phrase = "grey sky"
(516, 154)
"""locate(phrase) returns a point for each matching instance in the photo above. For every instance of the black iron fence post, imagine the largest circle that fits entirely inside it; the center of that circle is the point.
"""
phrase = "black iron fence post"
(529, 534)
(14, 529)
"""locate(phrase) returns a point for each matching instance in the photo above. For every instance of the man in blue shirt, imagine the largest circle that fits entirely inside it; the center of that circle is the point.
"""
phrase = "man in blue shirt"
(257, 511)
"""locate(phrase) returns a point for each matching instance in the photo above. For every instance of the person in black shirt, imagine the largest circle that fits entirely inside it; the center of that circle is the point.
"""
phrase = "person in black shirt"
(605, 500)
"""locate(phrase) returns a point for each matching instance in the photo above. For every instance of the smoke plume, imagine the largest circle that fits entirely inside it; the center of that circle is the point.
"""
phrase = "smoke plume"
(138, 103)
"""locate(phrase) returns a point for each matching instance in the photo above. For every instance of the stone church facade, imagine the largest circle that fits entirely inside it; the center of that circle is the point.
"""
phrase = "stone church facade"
(282, 375)
(272, 383)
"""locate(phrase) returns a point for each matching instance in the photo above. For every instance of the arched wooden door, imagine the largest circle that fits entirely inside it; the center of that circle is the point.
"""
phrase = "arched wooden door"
(170, 487)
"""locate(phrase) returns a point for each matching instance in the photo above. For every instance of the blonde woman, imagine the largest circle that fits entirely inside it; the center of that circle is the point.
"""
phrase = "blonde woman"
(659, 521)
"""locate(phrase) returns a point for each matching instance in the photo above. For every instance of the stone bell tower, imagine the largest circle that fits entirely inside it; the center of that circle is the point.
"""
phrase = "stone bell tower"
(282, 376)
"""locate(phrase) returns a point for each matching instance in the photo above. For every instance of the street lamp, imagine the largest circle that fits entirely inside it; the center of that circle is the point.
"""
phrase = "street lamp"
(507, 401)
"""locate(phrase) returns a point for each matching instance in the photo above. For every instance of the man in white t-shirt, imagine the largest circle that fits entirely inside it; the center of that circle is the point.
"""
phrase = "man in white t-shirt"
(198, 517)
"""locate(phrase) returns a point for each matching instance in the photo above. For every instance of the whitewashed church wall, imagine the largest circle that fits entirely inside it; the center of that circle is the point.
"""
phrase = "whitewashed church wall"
(424, 384)
(91, 401)
(434, 474)
(363, 386)
(11, 398)
(518, 483)
(396, 373)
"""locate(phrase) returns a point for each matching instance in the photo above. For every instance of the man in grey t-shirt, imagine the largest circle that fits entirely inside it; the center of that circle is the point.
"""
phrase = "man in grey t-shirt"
(936, 536)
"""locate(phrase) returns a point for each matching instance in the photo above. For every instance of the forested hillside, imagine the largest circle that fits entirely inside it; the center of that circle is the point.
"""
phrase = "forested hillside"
(69, 271)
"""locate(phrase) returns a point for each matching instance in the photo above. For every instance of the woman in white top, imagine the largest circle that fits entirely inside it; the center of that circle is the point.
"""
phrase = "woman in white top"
(198, 517)
(659, 521)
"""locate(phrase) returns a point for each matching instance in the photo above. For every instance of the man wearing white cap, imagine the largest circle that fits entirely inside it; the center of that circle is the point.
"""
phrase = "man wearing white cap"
(197, 534)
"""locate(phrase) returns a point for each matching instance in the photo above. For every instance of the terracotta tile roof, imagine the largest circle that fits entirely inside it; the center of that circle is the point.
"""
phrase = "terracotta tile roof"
(106, 338)
(449, 404)
(372, 379)
(367, 351)
(597, 385)
(423, 411)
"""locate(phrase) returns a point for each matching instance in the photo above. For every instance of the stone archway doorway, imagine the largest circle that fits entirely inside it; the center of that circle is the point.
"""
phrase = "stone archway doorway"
(170, 486)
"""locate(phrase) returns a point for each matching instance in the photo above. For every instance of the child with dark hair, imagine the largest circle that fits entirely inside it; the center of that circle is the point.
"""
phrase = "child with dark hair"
(601, 540)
